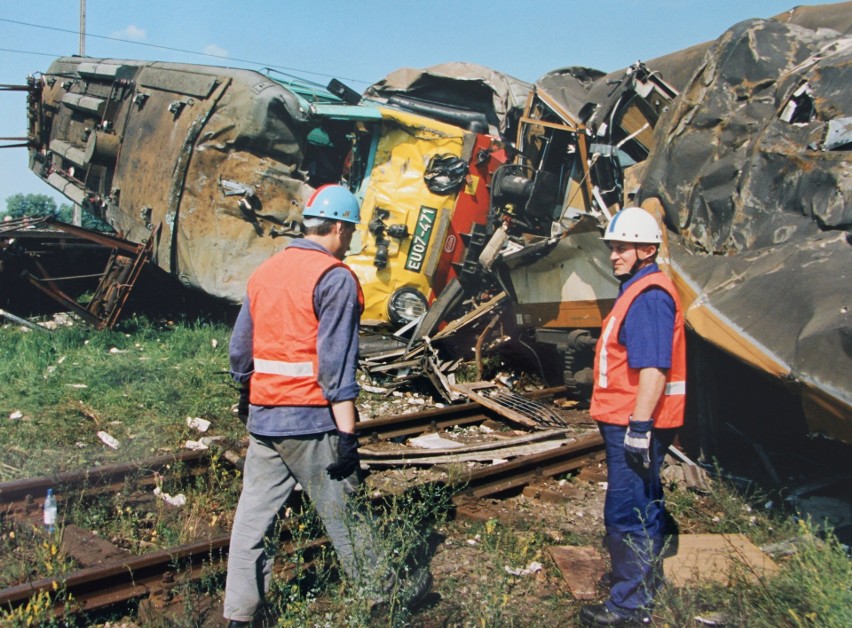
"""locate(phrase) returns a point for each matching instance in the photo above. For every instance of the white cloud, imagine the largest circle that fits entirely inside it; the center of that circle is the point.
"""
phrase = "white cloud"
(216, 51)
(133, 33)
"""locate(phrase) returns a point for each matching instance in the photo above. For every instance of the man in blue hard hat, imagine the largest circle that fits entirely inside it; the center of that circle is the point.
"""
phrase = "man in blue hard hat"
(294, 348)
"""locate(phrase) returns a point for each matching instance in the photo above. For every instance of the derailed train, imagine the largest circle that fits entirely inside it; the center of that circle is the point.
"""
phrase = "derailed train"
(739, 146)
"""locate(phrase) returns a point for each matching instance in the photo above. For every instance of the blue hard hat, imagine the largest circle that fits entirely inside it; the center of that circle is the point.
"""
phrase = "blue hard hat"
(333, 202)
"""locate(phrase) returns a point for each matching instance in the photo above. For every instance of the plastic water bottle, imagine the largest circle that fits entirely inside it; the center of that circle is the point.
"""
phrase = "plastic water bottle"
(50, 510)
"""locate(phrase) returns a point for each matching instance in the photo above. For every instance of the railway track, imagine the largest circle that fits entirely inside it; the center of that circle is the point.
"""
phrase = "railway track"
(109, 575)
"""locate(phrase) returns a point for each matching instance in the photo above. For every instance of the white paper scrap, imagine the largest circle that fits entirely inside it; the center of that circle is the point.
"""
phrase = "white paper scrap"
(176, 500)
(108, 440)
(197, 423)
(195, 445)
(434, 441)
(533, 567)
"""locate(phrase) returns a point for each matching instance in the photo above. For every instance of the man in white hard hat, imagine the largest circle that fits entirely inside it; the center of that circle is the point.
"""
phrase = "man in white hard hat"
(638, 402)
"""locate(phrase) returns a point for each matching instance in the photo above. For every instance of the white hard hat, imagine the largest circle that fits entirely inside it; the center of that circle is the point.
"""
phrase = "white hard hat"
(634, 224)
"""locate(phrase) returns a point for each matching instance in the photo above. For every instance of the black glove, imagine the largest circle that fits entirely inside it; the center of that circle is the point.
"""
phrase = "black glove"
(637, 442)
(347, 457)
(243, 404)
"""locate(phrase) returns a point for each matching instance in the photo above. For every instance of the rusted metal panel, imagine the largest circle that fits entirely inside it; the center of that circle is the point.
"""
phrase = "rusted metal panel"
(115, 282)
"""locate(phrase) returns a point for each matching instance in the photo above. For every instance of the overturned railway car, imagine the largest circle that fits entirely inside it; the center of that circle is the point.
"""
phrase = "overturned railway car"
(216, 163)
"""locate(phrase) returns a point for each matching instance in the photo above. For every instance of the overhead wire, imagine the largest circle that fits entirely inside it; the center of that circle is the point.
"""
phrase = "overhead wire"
(171, 49)
(30, 52)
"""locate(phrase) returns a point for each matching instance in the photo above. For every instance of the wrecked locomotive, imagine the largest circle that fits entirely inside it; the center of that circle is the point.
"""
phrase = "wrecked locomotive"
(215, 164)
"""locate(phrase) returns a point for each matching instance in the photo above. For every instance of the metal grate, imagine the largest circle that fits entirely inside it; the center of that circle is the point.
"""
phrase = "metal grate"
(535, 411)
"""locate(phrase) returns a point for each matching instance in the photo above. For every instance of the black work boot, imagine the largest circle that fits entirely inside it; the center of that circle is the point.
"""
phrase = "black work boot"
(603, 615)
(419, 583)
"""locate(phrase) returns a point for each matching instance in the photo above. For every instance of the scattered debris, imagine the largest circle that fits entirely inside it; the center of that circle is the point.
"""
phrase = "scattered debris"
(533, 568)
(434, 441)
(713, 619)
(21, 321)
(176, 500)
(514, 407)
(687, 472)
(197, 423)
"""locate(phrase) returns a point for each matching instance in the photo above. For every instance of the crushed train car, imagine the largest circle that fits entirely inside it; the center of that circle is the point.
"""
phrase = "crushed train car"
(753, 171)
(744, 157)
(221, 161)
(749, 167)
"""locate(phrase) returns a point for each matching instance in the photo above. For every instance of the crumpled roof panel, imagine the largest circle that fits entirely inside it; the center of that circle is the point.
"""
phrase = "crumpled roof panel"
(465, 85)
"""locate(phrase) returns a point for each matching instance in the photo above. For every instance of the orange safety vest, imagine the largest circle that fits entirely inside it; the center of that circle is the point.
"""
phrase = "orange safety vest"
(614, 393)
(284, 343)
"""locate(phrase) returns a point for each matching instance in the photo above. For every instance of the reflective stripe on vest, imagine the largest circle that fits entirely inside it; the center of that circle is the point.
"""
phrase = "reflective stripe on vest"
(285, 369)
(604, 360)
(614, 395)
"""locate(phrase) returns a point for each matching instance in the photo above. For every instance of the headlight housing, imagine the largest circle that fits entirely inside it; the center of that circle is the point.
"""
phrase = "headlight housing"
(405, 305)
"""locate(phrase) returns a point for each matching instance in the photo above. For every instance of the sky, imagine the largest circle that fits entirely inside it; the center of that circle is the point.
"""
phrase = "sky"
(356, 41)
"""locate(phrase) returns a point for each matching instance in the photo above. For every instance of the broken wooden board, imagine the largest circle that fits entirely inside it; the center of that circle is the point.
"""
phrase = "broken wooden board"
(391, 451)
(714, 557)
(490, 455)
(581, 568)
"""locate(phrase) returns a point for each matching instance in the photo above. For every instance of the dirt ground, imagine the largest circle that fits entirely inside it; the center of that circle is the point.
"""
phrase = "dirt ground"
(491, 564)
(474, 579)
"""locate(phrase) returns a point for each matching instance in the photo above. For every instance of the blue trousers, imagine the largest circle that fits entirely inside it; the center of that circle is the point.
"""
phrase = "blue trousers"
(635, 519)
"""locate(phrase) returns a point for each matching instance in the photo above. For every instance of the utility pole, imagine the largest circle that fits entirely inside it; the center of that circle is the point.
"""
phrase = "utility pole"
(77, 215)
(82, 28)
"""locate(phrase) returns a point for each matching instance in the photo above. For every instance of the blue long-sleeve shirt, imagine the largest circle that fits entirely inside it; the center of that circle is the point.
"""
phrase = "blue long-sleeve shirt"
(338, 311)
(648, 329)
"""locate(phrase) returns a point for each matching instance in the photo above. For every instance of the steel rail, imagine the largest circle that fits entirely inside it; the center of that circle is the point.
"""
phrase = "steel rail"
(522, 470)
(156, 573)
(152, 574)
(28, 494)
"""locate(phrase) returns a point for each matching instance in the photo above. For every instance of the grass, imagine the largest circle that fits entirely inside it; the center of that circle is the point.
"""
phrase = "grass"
(140, 383)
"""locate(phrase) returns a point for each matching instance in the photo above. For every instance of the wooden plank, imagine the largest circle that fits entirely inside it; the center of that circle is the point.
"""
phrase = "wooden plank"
(406, 451)
(87, 548)
(581, 568)
(470, 456)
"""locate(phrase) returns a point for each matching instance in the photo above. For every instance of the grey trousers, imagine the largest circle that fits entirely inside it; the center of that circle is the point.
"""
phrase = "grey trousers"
(273, 466)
